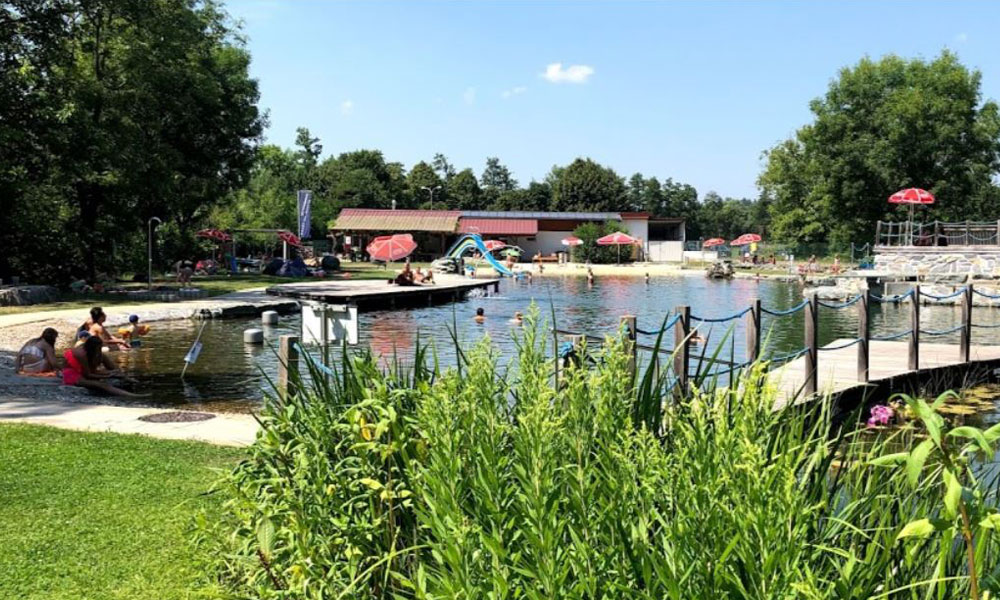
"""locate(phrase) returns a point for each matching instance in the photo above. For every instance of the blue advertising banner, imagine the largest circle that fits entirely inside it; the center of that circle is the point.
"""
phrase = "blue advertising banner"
(305, 213)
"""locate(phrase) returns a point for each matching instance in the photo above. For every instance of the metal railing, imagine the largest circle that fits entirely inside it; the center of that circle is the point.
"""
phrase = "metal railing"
(938, 233)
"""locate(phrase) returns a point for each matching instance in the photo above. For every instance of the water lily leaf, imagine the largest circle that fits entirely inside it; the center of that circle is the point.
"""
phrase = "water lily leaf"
(915, 461)
(920, 528)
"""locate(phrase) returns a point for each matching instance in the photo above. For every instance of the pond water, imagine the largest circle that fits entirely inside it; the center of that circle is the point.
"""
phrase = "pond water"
(232, 376)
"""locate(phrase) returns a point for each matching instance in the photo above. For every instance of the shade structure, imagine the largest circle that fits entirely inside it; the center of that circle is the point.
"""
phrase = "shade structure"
(289, 238)
(912, 197)
(511, 251)
(746, 238)
(713, 242)
(492, 245)
(214, 234)
(618, 239)
(571, 241)
(389, 248)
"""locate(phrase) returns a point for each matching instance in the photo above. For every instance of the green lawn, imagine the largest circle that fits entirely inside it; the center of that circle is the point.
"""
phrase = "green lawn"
(100, 515)
(215, 286)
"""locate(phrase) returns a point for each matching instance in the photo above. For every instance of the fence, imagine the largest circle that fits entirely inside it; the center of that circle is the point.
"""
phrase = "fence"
(938, 233)
(683, 323)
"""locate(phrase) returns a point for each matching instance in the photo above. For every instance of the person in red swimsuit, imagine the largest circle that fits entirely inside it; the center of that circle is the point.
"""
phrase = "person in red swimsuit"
(81, 370)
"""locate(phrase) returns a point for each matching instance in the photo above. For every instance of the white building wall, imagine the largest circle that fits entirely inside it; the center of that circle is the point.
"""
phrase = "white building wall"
(639, 228)
(546, 242)
(666, 251)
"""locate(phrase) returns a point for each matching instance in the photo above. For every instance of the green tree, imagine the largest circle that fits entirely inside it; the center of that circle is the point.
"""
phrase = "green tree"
(881, 126)
(464, 192)
(444, 169)
(496, 180)
(585, 185)
(425, 187)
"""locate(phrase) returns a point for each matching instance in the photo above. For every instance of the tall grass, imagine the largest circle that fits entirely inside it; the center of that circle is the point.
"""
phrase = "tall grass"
(488, 482)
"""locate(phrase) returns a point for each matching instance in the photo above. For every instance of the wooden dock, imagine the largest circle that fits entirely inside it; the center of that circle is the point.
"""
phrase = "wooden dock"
(371, 294)
(837, 370)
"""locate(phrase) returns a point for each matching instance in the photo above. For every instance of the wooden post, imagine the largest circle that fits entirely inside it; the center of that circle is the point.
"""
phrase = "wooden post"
(753, 331)
(878, 233)
(682, 351)
(288, 362)
(965, 339)
(937, 229)
(865, 336)
(496, 287)
(631, 347)
(915, 329)
(812, 345)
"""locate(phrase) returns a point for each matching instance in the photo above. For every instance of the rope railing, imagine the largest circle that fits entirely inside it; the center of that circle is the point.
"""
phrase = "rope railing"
(666, 327)
(789, 311)
(941, 331)
(736, 315)
(840, 305)
(895, 299)
(954, 294)
(892, 336)
(787, 357)
(983, 326)
(985, 295)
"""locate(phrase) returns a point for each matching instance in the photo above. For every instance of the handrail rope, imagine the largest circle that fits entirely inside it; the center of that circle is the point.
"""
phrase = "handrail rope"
(985, 295)
(718, 372)
(893, 336)
(722, 319)
(893, 299)
(994, 326)
(788, 357)
(840, 347)
(673, 321)
(839, 305)
(781, 313)
(942, 331)
(945, 297)
(654, 349)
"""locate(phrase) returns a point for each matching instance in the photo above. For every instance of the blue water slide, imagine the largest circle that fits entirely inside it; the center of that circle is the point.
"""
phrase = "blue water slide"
(474, 240)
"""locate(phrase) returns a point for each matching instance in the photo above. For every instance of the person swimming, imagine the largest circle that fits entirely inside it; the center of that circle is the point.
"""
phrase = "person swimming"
(480, 316)
(38, 355)
(518, 318)
(83, 369)
(590, 276)
(647, 278)
(133, 331)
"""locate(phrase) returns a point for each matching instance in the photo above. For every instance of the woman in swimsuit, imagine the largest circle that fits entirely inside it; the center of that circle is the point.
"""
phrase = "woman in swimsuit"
(82, 363)
(95, 325)
(38, 356)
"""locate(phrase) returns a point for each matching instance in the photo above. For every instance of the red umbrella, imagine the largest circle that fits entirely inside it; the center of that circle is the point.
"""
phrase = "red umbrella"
(289, 238)
(492, 245)
(571, 241)
(911, 196)
(618, 239)
(214, 234)
(746, 238)
(390, 248)
(712, 243)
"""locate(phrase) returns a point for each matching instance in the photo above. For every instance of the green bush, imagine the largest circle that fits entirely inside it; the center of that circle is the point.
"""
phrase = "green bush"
(590, 252)
(493, 482)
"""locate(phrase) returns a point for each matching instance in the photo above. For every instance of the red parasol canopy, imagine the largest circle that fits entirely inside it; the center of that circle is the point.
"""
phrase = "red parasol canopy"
(492, 245)
(571, 241)
(711, 243)
(289, 238)
(912, 196)
(616, 239)
(214, 234)
(746, 238)
(389, 248)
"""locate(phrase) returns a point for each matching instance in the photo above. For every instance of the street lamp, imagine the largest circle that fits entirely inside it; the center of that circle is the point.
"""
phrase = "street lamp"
(149, 237)
(431, 191)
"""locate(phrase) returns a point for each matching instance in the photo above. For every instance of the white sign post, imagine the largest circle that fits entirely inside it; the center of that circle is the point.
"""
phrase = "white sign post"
(324, 323)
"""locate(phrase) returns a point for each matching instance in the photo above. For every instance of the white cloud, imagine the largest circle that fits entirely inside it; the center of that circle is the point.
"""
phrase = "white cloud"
(347, 107)
(469, 95)
(555, 73)
(962, 37)
(514, 91)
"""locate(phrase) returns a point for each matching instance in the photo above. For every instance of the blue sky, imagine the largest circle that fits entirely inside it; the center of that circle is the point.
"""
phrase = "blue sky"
(693, 91)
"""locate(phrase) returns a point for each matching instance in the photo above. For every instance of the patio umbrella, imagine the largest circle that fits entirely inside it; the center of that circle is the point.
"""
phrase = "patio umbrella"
(617, 239)
(912, 197)
(571, 241)
(214, 234)
(746, 238)
(712, 243)
(511, 251)
(289, 238)
(390, 248)
(492, 245)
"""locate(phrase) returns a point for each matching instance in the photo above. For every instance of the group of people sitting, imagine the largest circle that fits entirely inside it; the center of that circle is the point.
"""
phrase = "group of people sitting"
(409, 276)
(86, 364)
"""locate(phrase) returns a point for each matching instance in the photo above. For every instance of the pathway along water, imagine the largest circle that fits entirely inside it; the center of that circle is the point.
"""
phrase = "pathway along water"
(232, 376)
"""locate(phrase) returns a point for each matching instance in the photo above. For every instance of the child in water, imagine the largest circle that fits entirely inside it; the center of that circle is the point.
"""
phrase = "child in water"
(518, 318)
(480, 315)
(133, 331)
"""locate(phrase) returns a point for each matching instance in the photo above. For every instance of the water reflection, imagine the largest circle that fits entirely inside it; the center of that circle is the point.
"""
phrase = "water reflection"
(234, 375)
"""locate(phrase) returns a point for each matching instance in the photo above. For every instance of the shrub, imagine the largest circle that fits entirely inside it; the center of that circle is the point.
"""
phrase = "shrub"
(491, 482)
(589, 251)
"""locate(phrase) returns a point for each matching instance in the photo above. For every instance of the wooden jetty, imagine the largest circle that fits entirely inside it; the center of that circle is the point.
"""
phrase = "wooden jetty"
(370, 294)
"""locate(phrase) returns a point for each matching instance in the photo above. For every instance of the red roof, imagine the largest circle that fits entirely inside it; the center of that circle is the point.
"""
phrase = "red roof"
(498, 226)
(635, 216)
(378, 219)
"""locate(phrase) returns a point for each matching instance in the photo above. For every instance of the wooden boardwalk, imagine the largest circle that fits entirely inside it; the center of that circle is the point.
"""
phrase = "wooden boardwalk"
(838, 369)
(369, 294)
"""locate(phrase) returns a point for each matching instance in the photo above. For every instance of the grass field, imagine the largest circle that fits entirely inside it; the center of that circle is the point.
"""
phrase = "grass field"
(89, 515)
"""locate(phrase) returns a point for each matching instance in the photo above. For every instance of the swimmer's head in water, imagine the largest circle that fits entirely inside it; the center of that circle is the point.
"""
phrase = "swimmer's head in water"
(518, 315)
(133, 318)
(480, 312)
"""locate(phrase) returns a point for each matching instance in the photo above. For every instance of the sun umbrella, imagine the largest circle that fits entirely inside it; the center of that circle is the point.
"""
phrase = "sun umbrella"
(289, 238)
(746, 238)
(712, 243)
(492, 245)
(571, 241)
(618, 239)
(511, 251)
(390, 248)
(214, 234)
(912, 197)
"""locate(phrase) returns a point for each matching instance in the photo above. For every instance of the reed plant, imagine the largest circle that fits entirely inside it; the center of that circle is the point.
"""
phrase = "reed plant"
(494, 480)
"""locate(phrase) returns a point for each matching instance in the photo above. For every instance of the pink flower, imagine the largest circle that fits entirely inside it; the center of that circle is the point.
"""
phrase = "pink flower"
(880, 415)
